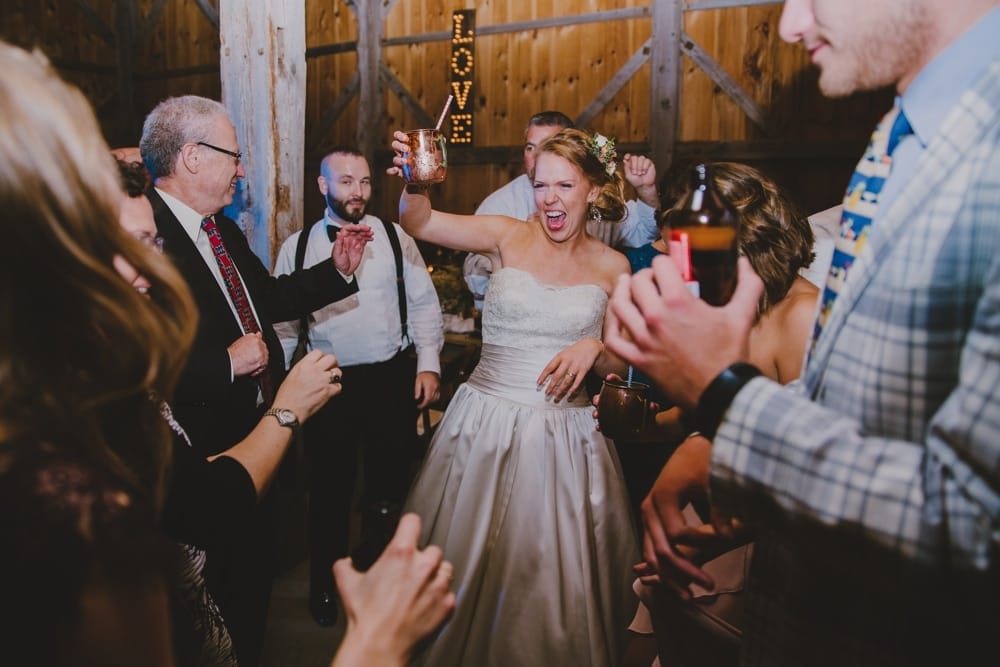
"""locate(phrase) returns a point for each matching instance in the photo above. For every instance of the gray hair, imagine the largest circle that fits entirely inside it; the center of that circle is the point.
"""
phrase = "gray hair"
(174, 122)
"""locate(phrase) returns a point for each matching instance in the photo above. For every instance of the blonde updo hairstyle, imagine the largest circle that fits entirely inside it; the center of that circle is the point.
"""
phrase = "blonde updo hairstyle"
(574, 146)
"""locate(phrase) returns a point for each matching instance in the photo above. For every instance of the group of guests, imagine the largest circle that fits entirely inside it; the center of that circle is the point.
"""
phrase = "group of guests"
(857, 453)
(827, 493)
(505, 449)
(144, 416)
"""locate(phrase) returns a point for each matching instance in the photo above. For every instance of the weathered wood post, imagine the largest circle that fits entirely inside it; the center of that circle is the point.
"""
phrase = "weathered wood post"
(664, 94)
(371, 101)
(263, 69)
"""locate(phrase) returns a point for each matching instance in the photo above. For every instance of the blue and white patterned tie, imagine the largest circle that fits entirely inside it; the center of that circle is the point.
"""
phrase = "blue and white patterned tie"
(861, 204)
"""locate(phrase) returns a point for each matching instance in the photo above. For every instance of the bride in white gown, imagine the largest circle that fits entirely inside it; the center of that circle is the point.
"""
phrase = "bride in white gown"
(521, 492)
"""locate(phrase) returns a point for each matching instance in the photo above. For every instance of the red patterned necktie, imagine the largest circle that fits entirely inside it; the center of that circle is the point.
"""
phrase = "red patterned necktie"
(234, 285)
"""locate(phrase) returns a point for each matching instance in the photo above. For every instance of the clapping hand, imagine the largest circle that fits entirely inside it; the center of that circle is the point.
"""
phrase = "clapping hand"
(350, 247)
(403, 598)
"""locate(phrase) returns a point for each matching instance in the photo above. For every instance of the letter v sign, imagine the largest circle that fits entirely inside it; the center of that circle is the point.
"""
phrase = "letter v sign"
(462, 97)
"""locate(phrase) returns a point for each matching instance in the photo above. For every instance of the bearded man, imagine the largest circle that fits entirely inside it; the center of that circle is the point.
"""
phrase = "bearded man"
(385, 384)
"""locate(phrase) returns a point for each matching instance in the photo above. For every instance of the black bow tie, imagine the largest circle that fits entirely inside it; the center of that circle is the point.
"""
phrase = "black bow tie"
(332, 232)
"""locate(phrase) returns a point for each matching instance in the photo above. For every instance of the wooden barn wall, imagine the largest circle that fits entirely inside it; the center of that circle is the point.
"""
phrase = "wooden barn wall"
(517, 74)
(809, 143)
(565, 67)
(180, 57)
(172, 49)
(63, 31)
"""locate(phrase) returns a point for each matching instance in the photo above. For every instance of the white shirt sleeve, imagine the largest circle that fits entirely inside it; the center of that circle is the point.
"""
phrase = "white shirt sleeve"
(425, 324)
(639, 226)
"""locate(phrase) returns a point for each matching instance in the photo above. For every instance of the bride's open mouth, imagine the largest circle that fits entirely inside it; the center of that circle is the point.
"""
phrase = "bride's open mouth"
(555, 220)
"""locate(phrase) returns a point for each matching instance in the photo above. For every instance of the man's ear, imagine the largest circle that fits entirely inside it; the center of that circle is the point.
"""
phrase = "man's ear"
(190, 158)
(322, 185)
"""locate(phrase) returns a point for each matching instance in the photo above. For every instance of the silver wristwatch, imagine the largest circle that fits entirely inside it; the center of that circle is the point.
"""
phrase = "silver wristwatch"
(284, 416)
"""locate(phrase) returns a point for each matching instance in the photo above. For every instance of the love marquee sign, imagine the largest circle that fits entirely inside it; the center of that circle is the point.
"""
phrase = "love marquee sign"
(462, 69)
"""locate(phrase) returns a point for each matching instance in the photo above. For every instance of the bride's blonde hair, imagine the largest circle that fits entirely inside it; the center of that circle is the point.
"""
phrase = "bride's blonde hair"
(574, 146)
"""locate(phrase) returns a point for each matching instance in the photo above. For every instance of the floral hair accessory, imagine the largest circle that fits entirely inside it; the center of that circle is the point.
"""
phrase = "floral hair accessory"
(604, 150)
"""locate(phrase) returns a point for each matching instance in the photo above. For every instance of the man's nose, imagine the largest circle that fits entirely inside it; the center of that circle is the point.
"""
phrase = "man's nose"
(796, 17)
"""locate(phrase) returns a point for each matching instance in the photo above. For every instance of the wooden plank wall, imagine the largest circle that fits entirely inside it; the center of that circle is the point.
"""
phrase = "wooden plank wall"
(180, 56)
(176, 53)
(564, 67)
(809, 145)
(518, 74)
(86, 57)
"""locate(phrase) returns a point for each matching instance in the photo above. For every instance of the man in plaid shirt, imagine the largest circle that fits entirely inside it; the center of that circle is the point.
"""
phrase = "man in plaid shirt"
(873, 487)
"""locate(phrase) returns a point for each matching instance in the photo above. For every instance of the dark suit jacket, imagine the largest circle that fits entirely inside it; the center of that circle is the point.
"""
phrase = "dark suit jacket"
(216, 412)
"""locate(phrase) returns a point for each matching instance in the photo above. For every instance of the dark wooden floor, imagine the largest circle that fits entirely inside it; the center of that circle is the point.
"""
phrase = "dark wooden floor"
(293, 639)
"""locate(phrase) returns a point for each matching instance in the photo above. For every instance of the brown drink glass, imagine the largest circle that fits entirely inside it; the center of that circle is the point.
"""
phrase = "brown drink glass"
(621, 410)
(427, 159)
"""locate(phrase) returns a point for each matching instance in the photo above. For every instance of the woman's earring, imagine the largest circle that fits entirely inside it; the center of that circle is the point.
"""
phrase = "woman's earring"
(595, 214)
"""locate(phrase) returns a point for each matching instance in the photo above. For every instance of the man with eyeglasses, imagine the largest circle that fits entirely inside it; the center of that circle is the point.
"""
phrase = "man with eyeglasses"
(190, 149)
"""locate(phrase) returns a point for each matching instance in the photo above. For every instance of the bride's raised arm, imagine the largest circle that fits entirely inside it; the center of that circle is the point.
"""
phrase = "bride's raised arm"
(483, 234)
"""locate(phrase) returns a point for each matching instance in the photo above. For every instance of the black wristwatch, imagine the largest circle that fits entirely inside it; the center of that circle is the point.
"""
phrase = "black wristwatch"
(284, 416)
(719, 395)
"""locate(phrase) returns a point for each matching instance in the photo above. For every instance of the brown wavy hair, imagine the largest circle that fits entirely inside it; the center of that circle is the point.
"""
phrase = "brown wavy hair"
(574, 146)
(773, 233)
(81, 351)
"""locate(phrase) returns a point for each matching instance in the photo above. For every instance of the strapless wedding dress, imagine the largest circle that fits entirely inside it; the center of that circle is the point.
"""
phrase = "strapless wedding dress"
(526, 498)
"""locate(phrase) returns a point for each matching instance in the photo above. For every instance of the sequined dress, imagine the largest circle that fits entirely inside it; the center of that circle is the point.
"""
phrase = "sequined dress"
(526, 498)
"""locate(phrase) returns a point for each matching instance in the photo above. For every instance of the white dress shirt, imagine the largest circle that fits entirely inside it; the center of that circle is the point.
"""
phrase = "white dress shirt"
(826, 228)
(364, 328)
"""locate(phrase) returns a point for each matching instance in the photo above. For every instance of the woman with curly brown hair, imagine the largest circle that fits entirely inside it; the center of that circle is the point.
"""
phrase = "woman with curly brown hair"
(777, 240)
(520, 491)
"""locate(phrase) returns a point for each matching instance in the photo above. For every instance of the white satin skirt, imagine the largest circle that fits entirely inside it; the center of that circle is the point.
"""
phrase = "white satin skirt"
(527, 500)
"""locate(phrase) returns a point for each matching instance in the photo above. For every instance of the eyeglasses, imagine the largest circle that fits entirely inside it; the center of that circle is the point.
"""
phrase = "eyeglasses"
(236, 154)
(154, 243)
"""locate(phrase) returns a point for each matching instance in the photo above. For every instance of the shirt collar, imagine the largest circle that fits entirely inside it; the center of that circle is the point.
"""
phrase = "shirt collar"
(189, 218)
(333, 220)
(938, 87)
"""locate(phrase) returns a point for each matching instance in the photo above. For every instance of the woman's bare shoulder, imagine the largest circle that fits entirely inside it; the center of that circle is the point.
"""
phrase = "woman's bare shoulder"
(610, 264)
(800, 302)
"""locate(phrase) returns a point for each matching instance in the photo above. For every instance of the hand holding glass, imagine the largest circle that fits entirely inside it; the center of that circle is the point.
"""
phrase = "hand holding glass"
(621, 409)
(426, 160)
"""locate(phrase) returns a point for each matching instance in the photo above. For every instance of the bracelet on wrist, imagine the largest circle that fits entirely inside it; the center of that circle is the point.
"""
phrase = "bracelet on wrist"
(719, 395)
